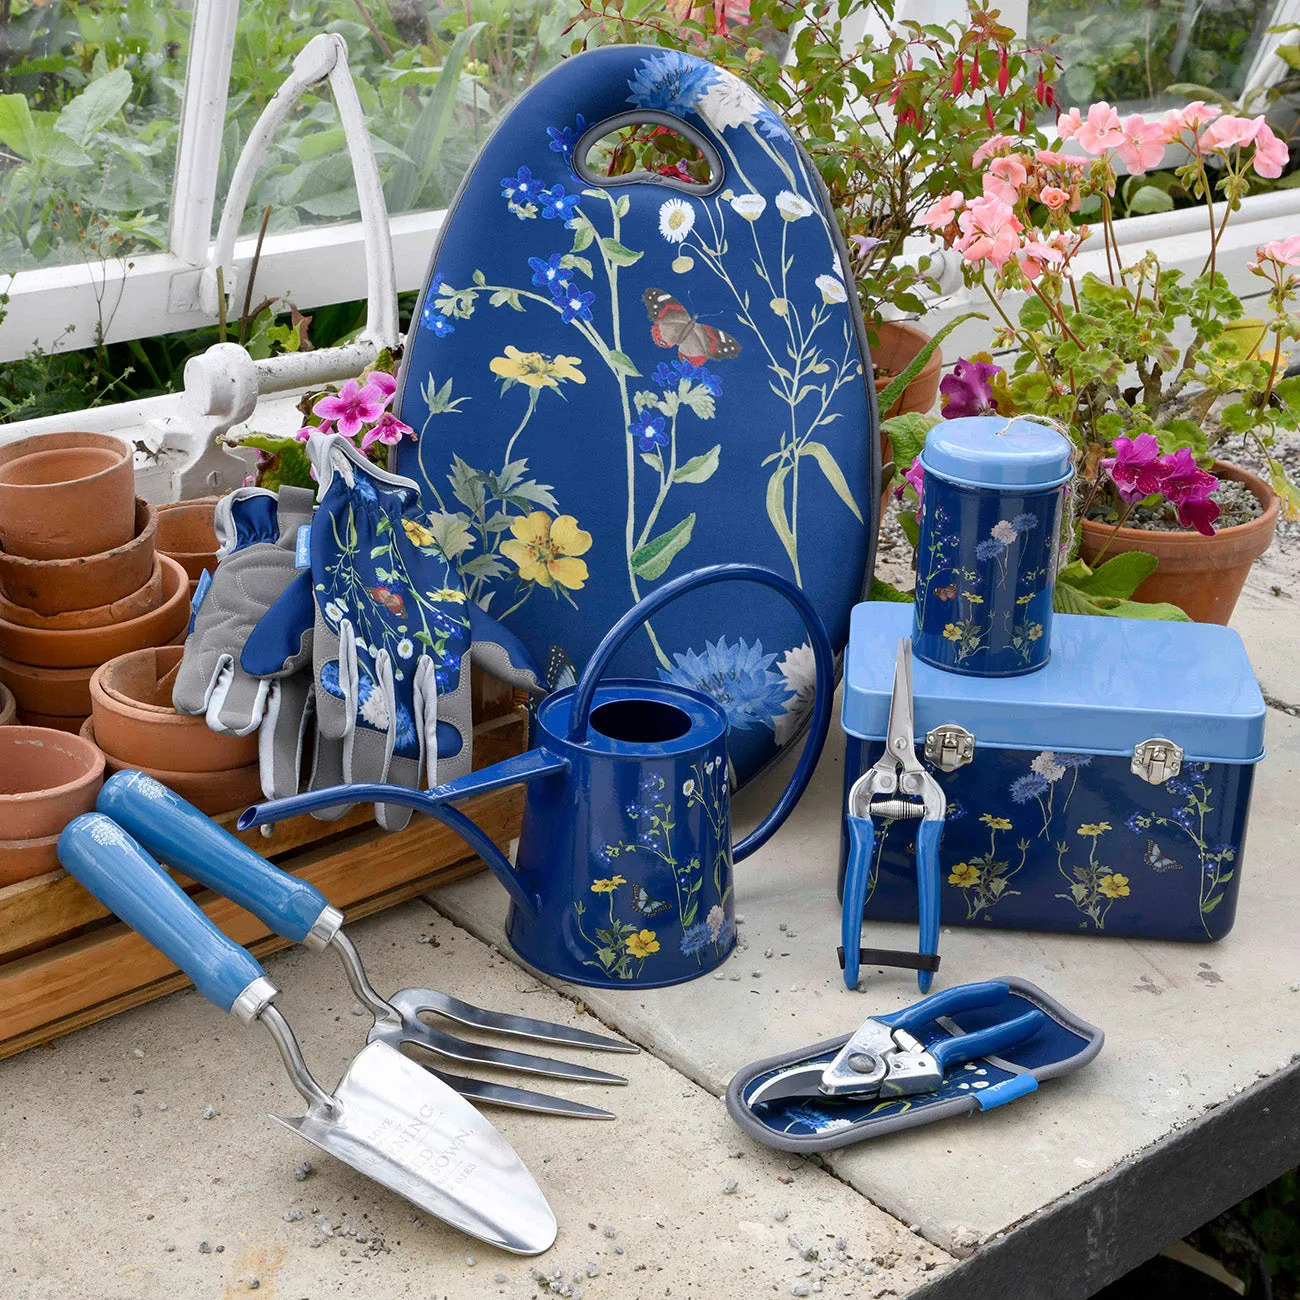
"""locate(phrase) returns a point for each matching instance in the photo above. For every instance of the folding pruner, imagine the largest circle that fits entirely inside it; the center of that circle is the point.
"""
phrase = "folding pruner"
(913, 793)
(885, 1059)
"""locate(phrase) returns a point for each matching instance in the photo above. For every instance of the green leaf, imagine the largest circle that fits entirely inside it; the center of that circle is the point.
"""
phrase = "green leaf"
(571, 262)
(1119, 576)
(1287, 491)
(289, 465)
(907, 435)
(898, 385)
(622, 205)
(650, 561)
(95, 107)
(698, 398)
(776, 510)
(621, 361)
(1034, 314)
(1210, 904)
(699, 469)
(616, 253)
(16, 124)
(834, 475)
(654, 460)
(1149, 198)
(1289, 54)
(583, 232)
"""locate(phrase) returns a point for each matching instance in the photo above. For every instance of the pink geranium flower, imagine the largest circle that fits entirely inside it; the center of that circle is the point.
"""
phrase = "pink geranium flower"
(942, 213)
(1101, 130)
(1037, 257)
(1229, 133)
(989, 231)
(1068, 124)
(1054, 197)
(1004, 178)
(389, 430)
(1053, 158)
(1285, 252)
(1271, 154)
(1191, 117)
(1143, 146)
(1136, 468)
(991, 147)
(352, 407)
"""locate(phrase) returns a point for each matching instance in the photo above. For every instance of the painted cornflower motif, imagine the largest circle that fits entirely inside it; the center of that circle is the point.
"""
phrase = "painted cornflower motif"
(672, 82)
(650, 430)
(521, 188)
(670, 375)
(1027, 787)
(564, 139)
(575, 303)
(548, 273)
(695, 938)
(990, 548)
(739, 678)
(545, 550)
(557, 205)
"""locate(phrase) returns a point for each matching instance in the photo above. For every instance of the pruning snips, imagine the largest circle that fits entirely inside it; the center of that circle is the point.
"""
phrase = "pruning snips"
(910, 792)
(885, 1059)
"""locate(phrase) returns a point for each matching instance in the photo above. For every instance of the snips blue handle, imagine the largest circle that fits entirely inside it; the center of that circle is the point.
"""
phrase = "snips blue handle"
(857, 872)
(928, 835)
(176, 832)
(113, 867)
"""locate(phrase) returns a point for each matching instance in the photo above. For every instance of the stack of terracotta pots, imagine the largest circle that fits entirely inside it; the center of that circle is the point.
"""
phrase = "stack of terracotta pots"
(187, 532)
(81, 580)
(135, 726)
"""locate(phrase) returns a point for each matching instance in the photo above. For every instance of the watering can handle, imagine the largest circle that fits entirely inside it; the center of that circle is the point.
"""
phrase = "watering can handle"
(584, 692)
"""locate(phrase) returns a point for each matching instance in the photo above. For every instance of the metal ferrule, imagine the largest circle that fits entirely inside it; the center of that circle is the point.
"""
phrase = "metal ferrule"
(255, 999)
(323, 929)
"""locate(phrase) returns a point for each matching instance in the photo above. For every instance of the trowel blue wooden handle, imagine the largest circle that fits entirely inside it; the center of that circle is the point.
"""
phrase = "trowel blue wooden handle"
(113, 867)
(177, 833)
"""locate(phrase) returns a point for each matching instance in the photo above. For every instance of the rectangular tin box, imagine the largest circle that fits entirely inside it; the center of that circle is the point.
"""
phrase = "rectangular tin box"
(1051, 824)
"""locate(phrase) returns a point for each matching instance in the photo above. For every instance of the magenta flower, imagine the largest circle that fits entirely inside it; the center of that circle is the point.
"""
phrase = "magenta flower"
(386, 383)
(352, 407)
(325, 426)
(389, 430)
(916, 477)
(967, 390)
(1187, 487)
(1137, 469)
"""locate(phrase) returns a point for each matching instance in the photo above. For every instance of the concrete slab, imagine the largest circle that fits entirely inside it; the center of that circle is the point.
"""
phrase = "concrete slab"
(113, 1184)
(1188, 1027)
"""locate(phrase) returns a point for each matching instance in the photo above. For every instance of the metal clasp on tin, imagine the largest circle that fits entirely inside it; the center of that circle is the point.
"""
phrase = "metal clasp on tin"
(949, 747)
(1156, 760)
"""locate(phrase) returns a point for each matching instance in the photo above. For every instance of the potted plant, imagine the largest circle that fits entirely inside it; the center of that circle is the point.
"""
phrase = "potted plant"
(1150, 372)
(891, 120)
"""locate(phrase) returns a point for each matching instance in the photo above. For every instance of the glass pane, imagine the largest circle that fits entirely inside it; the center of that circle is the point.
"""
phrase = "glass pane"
(1127, 52)
(90, 94)
(432, 77)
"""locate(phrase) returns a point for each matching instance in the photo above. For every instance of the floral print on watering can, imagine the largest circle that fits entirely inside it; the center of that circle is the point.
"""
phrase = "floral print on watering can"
(615, 380)
(992, 502)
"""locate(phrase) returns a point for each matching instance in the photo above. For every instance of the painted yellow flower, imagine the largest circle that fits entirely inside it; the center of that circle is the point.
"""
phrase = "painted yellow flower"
(972, 598)
(964, 875)
(607, 886)
(451, 595)
(951, 632)
(642, 944)
(418, 533)
(544, 549)
(996, 823)
(1035, 631)
(1113, 885)
(536, 369)
(1093, 829)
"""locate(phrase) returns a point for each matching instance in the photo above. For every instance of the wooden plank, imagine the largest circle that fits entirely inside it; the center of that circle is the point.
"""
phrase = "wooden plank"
(38, 912)
(46, 988)
(259, 948)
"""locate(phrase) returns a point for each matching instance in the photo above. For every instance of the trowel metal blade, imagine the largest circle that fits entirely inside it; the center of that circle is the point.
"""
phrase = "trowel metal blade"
(407, 1130)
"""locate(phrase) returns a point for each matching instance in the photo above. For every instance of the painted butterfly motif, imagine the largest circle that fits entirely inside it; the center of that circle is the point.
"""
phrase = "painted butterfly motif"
(647, 906)
(1158, 860)
(672, 326)
(388, 598)
(946, 593)
(560, 671)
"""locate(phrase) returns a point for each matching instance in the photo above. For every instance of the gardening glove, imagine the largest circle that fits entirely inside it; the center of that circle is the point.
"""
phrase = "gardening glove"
(256, 532)
(390, 631)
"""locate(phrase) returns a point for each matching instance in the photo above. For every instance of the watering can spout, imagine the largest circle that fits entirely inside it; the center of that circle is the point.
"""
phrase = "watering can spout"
(434, 803)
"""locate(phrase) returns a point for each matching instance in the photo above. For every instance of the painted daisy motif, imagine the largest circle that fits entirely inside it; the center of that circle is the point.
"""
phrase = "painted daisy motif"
(405, 648)
(729, 103)
(749, 206)
(792, 206)
(676, 220)
(832, 288)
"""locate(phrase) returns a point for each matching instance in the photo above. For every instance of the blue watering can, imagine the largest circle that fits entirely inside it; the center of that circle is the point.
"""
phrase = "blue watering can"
(624, 872)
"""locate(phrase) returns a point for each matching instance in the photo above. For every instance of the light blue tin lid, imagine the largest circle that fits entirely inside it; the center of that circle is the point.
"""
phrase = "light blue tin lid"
(1110, 684)
(995, 452)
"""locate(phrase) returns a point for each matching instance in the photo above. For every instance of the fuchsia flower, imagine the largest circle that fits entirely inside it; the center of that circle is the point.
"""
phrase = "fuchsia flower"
(1101, 130)
(994, 145)
(942, 213)
(1143, 145)
(989, 231)
(352, 407)
(1136, 468)
(916, 477)
(389, 430)
(967, 390)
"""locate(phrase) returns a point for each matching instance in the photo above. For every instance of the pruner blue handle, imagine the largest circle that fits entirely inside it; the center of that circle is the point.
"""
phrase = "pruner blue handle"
(949, 1002)
(986, 1042)
(928, 835)
(113, 867)
(856, 874)
(176, 832)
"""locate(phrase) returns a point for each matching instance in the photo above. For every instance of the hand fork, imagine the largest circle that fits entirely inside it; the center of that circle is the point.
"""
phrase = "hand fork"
(177, 833)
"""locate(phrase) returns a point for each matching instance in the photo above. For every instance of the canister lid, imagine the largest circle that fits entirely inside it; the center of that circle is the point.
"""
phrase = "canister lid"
(993, 451)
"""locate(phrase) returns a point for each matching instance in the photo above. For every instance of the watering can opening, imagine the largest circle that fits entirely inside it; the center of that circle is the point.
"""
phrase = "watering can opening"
(640, 721)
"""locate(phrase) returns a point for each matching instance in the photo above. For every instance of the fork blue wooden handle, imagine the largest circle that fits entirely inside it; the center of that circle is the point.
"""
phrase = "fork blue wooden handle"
(122, 875)
(176, 832)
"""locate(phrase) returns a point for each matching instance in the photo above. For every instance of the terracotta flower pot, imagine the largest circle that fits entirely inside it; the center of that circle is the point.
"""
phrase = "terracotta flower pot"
(899, 345)
(83, 582)
(136, 726)
(147, 598)
(76, 647)
(65, 494)
(26, 859)
(46, 779)
(210, 792)
(26, 718)
(187, 534)
(1203, 576)
(8, 707)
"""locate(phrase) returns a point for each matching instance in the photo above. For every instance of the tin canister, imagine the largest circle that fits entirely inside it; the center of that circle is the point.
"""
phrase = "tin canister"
(992, 505)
